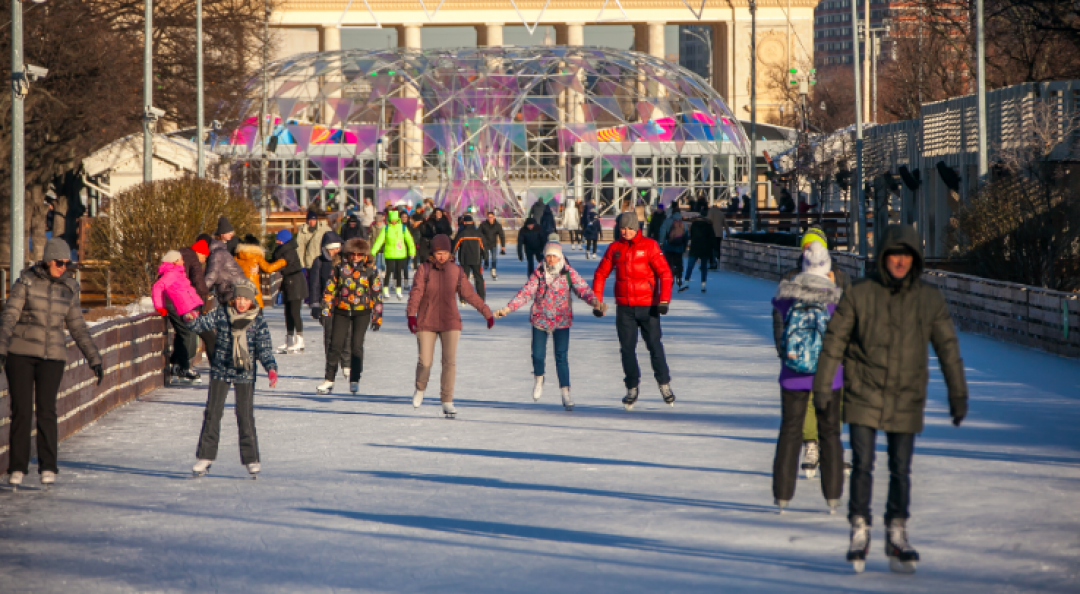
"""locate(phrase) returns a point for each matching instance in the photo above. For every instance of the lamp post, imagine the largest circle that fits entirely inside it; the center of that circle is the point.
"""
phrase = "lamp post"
(753, 116)
(18, 182)
(200, 168)
(148, 91)
(856, 186)
(980, 53)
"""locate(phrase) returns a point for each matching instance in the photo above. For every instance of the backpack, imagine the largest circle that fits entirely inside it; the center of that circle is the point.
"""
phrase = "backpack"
(804, 333)
(677, 233)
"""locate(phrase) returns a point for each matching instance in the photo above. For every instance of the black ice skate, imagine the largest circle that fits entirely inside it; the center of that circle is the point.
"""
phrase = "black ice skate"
(669, 396)
(902, 556)
(811, 459)
(860, 543)
(630, 398)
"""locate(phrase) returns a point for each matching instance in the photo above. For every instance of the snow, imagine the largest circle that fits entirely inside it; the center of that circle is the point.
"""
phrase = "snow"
(366, 494)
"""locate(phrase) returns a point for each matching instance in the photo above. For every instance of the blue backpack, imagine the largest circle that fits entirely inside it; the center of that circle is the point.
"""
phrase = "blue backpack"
(804, 333)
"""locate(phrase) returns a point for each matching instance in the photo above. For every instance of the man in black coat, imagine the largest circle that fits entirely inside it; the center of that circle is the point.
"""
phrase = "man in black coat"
(294, 290)
(469, 247)
(701, 249)
(494, 242)
(530, 244)
(657, 221)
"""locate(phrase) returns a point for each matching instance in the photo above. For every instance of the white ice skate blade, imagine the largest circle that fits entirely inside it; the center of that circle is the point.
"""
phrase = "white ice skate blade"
(811, 473)
(898, 566)
(858, 566)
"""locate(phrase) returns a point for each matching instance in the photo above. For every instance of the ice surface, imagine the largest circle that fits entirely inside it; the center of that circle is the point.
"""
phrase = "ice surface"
(366, 494)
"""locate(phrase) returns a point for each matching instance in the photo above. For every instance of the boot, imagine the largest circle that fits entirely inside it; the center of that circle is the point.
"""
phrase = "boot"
(16, 478)
(567, 402)
(494, 275)
(283, 349)
(860, 543)
(810, 459)
(702, 286)
(538, 388)
(833, 504)
(669, 396)
(902, 556)
(782, 504)
(630, 398)
(397, 293)
(448, 410)
(48, 477)
(253, 469)
(418, 399)
(325, 387)
(297, 344)
(201, 467)
(386, 293)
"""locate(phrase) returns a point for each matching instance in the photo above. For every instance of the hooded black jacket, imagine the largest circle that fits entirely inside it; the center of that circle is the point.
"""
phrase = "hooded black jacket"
(531, 241)
(701, 238)
(321, 269)
(469, 245)
(293, 284)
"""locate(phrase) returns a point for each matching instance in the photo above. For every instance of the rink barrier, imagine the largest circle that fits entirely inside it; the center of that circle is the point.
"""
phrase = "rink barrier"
(133, 352)
(1020, 314)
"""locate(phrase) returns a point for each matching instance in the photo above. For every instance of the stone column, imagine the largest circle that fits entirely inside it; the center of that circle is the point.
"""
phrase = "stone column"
(656, 39)
(721, 82)
(329, 38)
(489, 35)
(412, 139)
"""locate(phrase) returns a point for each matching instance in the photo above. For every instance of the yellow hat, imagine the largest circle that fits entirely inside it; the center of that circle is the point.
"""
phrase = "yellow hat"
(814, 234)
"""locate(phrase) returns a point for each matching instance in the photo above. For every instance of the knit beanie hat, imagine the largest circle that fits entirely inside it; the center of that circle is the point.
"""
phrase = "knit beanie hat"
(627, 220)
(244, 288)
(313, 214)
(440, 243)
(172, 256)
(224, 226)
(816, 260)
(467, 219)
(814, 234)
(284, 236)
(553, 247)
(201, 247)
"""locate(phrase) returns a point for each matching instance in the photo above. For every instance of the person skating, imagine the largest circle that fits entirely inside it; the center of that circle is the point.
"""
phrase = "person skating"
(572, 223)
(657, 221)
(222, 271)
(701, 249)
(530, 245)
(422, 232)
(719, 222)
(433, 314)
(541, 213)
(318, 277)
(673, 239)
(352, 301)
(226, 234)
(252, 260)
(494, 242)
(591, 234)
(642, 294)
(294, 290)
(469, 250)
(242, 339)
(552, 314)
(441, 223)
(806, 301)
(396, 244)
(351, 228)
(880, 332)
(175, 299)
(309, 240)
(43, 302)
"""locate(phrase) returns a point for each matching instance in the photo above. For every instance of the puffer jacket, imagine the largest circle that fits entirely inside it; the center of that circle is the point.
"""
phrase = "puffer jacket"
(309, 242)
(881, 331)
(806, 288)
(36, 313)
(259, 346)
(434, 296)
(320, 271)
(469, 245)
(551, 308)
(222, 271)
(394, 240)
(842, 280)
(354, 289)
(251, 261)
(293, 284)
(173, 290)
(642, 275)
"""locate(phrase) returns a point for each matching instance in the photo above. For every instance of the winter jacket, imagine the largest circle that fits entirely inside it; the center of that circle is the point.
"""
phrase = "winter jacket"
(571, 216)
(354, 289)
(657, 220)
(422, 235)
(811, 289)
(321, 268)
(221, 364)
(251, 261)
(294, 287)
(591, 231)
(434, 296)
(551, 308)
(530, 241)
(442, 226)
(541, 213)
(842, 280)
(173, 290)
(589, 213)
(309, 242)
(395, 241)
(880, 332)
(469, 245)
(665, 230)
(718, 219)
(195, 271)
(701, 238)
(355, 230)
(37, 311)
(367, 215)
(222, 271)
(493, 234)
(642, 276)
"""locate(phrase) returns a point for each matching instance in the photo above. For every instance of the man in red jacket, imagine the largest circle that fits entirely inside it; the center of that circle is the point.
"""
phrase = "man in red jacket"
(642, 294)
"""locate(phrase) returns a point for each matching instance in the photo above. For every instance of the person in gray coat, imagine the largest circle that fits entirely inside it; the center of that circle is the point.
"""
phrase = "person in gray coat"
(33, 352)
(222, 271)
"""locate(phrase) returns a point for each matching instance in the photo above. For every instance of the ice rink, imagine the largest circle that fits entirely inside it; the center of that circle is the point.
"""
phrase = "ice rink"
(367, 494)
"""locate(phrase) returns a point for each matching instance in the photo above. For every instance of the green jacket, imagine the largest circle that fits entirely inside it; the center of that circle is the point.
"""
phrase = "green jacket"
(881, 331)
(395, 240)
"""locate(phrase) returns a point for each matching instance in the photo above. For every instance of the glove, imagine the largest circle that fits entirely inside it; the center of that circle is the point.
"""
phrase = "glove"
(315, 313)
(599, 309)
(502, 313)
(662, 309)
(491, 322)
(958, 410)
(273, 377)
(412, 324)
(161, 311)
(98, 372)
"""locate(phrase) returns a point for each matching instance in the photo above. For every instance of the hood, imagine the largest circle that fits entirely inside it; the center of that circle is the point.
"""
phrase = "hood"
(356, 246)
(896, 236)
(394, 216)
(809, 287)
(352, 220)
(170, 267)
(529, 221)
(248, 251)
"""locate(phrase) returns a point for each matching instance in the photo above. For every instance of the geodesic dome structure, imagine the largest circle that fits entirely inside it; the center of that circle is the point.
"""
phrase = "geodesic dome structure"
(495, 128)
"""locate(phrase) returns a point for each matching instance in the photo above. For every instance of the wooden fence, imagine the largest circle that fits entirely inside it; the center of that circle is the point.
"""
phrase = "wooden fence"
(1021, 314)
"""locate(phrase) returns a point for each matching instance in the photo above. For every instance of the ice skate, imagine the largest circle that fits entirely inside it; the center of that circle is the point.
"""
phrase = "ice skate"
(180, 376)
(201, 468)
(902, 556)
(630, 398)
(538, 388)
(669, 396)
(48, 479)
(833, 504)
(702, 286)
(810, 459)
(397, 293)
(847, 469)
(253, 469)
(354, 387)
(284, 349)
(448, 410)
(494, 276)
(417, 398)
(781, 505)
(345, 372)
(684, 286)
(567, 402)
(15, 480)
(297, 345)
(386, 293)
(860, 543)
(191, 376)
(325, 387)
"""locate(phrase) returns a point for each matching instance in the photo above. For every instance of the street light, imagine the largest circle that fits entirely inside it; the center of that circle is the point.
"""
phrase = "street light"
(148, 91)
(753, 115)
(200, 168)
(856, 187)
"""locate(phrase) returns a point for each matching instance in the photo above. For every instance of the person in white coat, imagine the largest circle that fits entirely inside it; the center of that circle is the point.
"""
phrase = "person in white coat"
(572, 222)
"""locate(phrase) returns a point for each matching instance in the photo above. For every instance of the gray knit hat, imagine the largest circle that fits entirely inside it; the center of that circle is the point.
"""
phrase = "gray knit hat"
(244, 288)
(627, 220)
(57, 249)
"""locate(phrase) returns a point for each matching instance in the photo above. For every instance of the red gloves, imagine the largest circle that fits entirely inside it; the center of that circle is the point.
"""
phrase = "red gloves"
(273, 378)
(412, 324)
(491, 323)
(162, 312)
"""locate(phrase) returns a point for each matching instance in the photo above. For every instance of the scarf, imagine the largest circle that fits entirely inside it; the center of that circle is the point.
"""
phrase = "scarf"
(552, 272)
(238, 323)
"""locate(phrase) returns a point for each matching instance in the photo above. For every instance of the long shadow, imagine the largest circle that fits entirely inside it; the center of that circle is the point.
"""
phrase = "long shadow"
(94, 467)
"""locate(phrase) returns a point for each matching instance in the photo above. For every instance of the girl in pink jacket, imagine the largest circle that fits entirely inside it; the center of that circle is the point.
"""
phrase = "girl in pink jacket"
(173, 291)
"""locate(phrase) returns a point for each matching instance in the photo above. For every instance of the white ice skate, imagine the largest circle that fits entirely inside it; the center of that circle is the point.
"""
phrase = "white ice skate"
(902, 556)
(48, 478)
(253, 469)
(494, 275)
(386, 293)
(781, 504)
(702, 286)
(833, 504)
(201, 467)
(345, 371)
(354, 387)
(630, 398)
(538, 388)
(669, 396)
(15, 480)
(284, 349)
(567, 402)
(325, 387)
(810, 459)
(297, 344)
(448, 410)
(418, 399)
(397, 293)
(860, 543)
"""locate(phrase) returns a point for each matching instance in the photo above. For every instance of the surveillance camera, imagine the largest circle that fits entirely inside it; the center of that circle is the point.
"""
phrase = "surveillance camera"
(35, 73)
(216, 125)
(154, 113)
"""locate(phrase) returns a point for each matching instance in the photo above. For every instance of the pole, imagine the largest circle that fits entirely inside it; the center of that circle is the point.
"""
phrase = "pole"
(980, 41)
(18, 164)
(866, 64)
(874, 80)
(856, 186)
(753, 116)
(264, 162)
(148, 91)
(199, 132)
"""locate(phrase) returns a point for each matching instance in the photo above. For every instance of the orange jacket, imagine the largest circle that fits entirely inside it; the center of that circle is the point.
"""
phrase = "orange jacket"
(251, 261)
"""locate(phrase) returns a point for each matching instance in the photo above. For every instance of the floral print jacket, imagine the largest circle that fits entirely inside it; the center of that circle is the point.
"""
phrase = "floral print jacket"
(354, 289)
(551, 309)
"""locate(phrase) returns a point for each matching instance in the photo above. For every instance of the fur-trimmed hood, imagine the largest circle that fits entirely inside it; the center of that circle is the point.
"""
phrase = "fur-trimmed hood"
(809, 287)
(249, 251)
(356, 246)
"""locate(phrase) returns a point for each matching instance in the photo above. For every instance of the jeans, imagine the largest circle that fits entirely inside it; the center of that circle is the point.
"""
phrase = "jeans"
(532, 259)
(477, 272)
(590, 246)
(342, 325)
(628, 320)
(185, 342)
(245, 421)
(901, 447)
(33, 380)
(794, 404)
(704, 268)
(561, 340)
(491, 257)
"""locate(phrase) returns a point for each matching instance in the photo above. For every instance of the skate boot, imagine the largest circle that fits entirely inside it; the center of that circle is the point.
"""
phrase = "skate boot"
(448, 410)
(538, 388)
(297, 344)
(669, 396)
(325, 387)
(781, 504)
(684, 286)
(702, 286)
(385, 293)
(833, 504)
(567, 402)
(15, 480)
(630, 398)
(253, 469)
(191, 376)
(397, 293)
(201, 467)
(354, 387)
(48, 478)
(847, 469)
(494, 275)
(860, 543)
(418, 399)
(345, 371)
(284, 349)
(902, 556)
(810, 459)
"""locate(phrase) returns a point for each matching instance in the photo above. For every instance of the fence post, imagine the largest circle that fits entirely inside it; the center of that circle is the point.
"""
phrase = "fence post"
(108, 288)
(1065, 318)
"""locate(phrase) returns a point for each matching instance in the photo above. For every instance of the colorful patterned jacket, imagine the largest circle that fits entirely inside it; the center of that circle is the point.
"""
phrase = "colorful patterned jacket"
(551, 309)
(354, 289)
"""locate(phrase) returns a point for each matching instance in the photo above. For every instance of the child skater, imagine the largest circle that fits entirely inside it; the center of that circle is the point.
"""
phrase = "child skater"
(351, 302)
(175, 298)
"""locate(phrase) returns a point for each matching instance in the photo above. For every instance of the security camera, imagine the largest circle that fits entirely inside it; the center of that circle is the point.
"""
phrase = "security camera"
(35, 73)
(154, 113)
(216, 125)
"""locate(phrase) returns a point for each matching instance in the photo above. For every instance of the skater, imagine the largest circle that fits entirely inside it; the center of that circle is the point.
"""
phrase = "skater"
(657, 221)
(441, 223)
(252, 260)
(674, 236)
(433, 313)
(367, 217)
(549, 288)
(494, 241)
(530, 244)
(352, 302)
(422, 233)
(42, 303)
(541, 213)
(880, 332)
(195, 268)
(351, 228)
(175, 299)
(469, 247)
(719, 222)
(642, 295)
(396, 244)
(309, 240)
(226, 234)
(572, 223)
(591, 234)
(805, 302)
(242, 338)
(294, 290)
(318, 277)
(701, 249)
(222, 271)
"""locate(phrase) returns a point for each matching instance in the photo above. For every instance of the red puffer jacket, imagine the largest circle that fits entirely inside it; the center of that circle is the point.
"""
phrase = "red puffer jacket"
(642, 276)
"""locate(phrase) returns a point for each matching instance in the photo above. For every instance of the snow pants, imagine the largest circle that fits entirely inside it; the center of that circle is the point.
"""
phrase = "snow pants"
(425, 341)
(245, 421)
(628, 320)
(351, 328)
(345, 359)
(477, 272)
(794, 404)
(901, 448)
(33, 380)
(185, 342)
(560, 338)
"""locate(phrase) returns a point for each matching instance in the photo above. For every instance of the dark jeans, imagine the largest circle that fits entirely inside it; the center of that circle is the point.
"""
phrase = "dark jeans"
(394, 267)
(477, 272)
(294, 323)
(561, 341)
(491, 257)
(33, 380)
(901, 447)
(704, 268)
(345, 358)
(245, 421)
(628, 320)
(789, 444)
(342, 325)
(675, 262)
(590, 246)
(185, 342)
